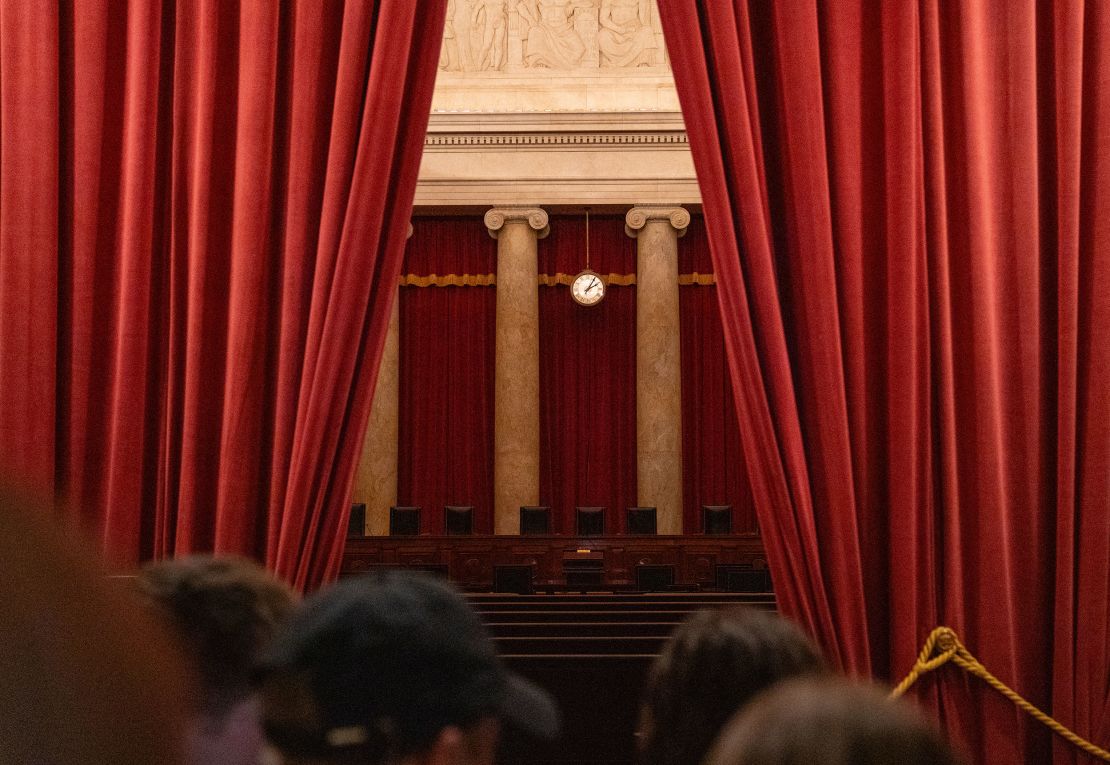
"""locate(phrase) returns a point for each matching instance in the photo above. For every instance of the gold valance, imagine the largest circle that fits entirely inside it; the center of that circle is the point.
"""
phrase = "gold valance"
(612, 280)
(449, 280)
(545, 280)
(701, 280)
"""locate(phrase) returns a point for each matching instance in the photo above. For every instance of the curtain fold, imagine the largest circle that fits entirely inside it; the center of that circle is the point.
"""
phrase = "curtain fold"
(907, 212)
(31, 140)
(220, 229)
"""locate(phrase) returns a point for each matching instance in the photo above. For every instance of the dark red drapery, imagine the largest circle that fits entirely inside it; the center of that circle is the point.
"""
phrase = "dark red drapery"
(909, 215)
(712, 457)
(445, 431)
(202, 213)
(587, 375)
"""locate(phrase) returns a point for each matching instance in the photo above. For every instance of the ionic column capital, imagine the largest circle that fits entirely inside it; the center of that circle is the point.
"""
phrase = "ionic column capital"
(535, 217)
(638, 217)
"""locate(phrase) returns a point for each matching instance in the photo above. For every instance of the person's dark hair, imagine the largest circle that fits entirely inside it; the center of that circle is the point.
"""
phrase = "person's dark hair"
(830, 721)
(376, 667)
(715, 663)
(225, 611)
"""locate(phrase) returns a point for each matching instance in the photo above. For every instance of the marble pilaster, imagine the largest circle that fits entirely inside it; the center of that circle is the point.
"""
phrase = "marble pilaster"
(516, 470)
(658, 361)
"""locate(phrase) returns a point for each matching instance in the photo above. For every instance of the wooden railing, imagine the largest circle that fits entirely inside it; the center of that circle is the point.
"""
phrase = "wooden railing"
(469, 560)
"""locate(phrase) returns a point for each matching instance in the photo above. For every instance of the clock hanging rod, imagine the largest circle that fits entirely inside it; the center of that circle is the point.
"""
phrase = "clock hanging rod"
(587, 238)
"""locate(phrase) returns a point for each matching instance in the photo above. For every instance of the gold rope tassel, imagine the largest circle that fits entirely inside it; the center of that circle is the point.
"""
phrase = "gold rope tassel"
(947, 648)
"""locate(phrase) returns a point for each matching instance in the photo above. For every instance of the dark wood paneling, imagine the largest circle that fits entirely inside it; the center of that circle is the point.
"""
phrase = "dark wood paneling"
(470, 560)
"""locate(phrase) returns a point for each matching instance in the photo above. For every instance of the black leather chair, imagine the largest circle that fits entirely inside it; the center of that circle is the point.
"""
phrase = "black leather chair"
(515, 579)
(404, 521)
(356, 522)
(654, 578)
(535, 519)
(716, 519)
(458, 520)
(589, 521)
(642, 520)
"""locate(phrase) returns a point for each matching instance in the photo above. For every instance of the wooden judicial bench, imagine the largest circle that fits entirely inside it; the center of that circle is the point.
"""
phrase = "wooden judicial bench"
(469, 561)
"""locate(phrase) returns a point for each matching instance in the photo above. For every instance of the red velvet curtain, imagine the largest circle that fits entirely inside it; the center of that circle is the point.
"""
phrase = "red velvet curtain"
(909, 216)
(587, 375)
(202, 213)
(445, 431)
(713, 470)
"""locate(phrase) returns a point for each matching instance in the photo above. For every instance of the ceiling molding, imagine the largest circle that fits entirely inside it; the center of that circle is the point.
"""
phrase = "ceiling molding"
(506, 140)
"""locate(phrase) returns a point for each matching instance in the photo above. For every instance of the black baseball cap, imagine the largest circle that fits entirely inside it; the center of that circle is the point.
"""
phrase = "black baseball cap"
(380, 664)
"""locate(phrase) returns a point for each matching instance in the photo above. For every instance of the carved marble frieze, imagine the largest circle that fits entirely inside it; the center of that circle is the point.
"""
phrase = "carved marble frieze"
(544, 36)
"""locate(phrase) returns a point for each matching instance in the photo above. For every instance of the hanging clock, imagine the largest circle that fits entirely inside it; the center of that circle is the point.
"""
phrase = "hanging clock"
(588, 288)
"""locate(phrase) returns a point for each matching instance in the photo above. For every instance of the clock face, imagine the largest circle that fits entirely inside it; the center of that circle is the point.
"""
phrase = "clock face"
(587, 288)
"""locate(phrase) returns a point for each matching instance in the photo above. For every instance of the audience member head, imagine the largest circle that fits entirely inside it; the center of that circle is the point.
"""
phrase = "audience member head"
(88, 677)
(224, 612)
(394, 668)
(832, 722)
(716, 662)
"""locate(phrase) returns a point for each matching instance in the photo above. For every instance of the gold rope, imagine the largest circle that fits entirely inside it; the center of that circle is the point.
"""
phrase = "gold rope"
(545, 280)
(944, 641)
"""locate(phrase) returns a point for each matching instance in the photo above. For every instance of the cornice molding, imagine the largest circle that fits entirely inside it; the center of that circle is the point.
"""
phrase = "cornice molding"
(503, 140)
(554, 190)
(546, 121)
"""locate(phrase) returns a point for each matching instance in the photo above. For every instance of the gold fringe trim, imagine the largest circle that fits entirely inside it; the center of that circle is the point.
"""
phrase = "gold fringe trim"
(701, 280)
(449, 280)
(545, 280)
(611, 280)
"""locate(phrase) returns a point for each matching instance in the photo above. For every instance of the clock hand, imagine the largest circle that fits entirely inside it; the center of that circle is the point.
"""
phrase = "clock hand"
(593, 282)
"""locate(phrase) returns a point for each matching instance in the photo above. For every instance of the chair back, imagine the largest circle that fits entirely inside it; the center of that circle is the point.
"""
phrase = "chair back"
(535, 520)
(404, 521)
(458, 520)
(589, 521)
(642, 520)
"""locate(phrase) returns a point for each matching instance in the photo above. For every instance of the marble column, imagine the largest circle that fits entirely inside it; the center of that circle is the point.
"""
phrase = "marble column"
(376, 476)
(516, 431)
(658, 363)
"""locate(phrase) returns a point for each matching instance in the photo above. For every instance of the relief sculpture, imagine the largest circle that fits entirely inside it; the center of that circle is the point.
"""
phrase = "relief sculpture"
(626, 37)
(553, 41)
(538, 35)
(487, 32)
(449, 53)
